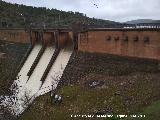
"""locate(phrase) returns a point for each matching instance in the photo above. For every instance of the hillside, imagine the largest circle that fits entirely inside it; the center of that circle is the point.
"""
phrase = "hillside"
(142, 21)
(15, 15)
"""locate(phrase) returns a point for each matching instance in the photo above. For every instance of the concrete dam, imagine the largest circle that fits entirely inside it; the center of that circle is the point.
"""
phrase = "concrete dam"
(45, 60)
(41, 68)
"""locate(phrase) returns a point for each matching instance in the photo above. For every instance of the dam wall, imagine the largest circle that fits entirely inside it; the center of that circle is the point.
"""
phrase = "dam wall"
(141, 43)
(15, 35)
(131, 42)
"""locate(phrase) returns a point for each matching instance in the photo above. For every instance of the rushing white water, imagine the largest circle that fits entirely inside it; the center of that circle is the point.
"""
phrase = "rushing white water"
(34, 82)
(11, 101)
(33, 85)
(22, 75)
(28, 90)
(56, 71)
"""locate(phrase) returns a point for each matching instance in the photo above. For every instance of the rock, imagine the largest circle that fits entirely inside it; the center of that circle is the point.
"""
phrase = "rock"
(94, 83)
(117, 93)
(56, 97)
(59, 99)
(123, 83)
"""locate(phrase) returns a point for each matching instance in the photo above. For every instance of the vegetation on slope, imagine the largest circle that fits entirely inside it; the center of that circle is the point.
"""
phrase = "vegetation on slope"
(153, 111)
(128, 91)
(15, 15)
(12, 55)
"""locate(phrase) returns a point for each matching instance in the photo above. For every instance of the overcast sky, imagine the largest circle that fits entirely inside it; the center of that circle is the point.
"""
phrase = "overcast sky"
(117, 10)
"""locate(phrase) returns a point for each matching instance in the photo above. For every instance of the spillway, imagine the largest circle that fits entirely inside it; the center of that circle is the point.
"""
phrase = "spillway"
(56, 71)
(34, 83)
(22, 75)
(31, 87)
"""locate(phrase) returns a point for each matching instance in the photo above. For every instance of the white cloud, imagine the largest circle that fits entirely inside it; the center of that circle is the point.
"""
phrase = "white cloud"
(118, 10)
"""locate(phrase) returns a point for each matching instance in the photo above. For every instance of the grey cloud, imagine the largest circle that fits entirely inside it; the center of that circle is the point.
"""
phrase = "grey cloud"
(118, 10)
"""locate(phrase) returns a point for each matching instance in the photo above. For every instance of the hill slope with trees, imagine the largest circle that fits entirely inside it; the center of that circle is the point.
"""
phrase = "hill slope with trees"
(15, 15)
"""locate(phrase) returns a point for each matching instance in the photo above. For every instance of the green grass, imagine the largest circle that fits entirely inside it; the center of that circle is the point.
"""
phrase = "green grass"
(80, 100)
(152, 112)
(75, 101)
